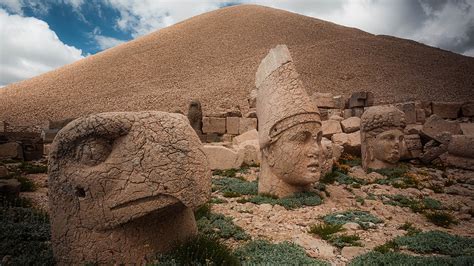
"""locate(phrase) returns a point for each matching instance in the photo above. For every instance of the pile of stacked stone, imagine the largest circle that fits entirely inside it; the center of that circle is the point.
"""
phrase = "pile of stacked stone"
(19, 145)
(50, 130)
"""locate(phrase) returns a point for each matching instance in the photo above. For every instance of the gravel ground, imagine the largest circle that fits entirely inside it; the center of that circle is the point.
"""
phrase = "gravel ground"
(213, 57)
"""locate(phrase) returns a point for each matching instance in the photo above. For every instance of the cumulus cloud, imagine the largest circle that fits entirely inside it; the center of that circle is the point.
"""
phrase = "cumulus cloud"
(29, 48)
(106, 42)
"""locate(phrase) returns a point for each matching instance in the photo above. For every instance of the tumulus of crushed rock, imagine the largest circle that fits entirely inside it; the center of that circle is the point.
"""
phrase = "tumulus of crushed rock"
(213, 57)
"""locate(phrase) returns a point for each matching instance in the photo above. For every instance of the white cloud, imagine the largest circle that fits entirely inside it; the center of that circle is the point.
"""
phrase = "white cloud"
(28, 47)
(13, 6)
(106, 42)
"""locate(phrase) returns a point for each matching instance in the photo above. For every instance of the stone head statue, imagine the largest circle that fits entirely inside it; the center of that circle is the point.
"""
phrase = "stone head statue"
(382, 140)
(123, 186)
(289, 128)
(195, 116)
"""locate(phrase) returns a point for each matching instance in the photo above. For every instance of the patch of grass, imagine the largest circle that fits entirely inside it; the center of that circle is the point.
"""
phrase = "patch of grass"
(202, 211)
(390, 246)
(231, 194)
(217, 201)
(297, 200)
(350, 160)
(411, 230)
(398, 177)
(360, 200)
(219, 226)
(30, 168)
(414, 204)
(233, 187)
(437, 242)
(364, 219)
(344, 240)
(225, 173)
(341, 177)
(325, 230)
(395, 259)
(441, 218)
(200, 250)
(25, 236)
(262, 252)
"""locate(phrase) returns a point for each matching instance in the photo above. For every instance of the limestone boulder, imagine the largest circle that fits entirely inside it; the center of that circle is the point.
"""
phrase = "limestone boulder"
(336, 117)
(449, 110)
(351, 124)
(414, 147)
(409, 109)
(232, 125)
(314, 247)
(435, 125)
(350, 142)
(433, 150)
(249, 135)
(462, 145)
(413, 129)
(11, 150)
(250, 152)
(323, 100)
(220, 157)
(331, 127)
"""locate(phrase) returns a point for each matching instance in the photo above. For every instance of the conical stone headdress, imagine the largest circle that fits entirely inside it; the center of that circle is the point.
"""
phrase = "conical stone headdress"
(282, 101)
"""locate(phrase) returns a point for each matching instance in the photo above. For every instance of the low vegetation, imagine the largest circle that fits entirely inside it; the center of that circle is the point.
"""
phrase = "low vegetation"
(441, 218)
(325, 230)
(217, 225)
(396, 259)
(344, 240)
(364, 219)
(416, 205)
(297, 200)
(262, 252)
(234, 187)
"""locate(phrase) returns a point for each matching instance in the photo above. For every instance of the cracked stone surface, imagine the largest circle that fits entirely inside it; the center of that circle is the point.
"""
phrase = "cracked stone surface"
(289, 128)
(123, 186)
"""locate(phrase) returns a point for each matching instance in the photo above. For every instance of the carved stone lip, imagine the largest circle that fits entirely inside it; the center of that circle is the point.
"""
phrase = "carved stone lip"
(135, 202)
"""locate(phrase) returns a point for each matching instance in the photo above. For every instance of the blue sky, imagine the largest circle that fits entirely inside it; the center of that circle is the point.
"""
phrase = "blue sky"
(37, 36)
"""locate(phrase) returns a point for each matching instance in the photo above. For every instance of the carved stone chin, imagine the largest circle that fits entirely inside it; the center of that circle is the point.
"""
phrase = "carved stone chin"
(123, 187)
(382, 137)
(289, 128)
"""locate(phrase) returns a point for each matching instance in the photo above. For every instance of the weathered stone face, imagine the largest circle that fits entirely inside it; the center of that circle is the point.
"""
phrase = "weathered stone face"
(123, 186)
(289, 128)
(382, 141)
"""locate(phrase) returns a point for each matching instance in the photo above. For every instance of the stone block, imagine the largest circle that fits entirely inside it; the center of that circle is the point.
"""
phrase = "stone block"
(58, 124)
(9, 187)
(351, 124)
(361, 99)
(323, 100)
(331, 127)
(220, 157)
(358, 111)
(350, 142)
(3, 171)
(48, 135)
(249, 135)
(213, 137)
(11, 150)
(467, 109)
(433, 150)
(435, 125)
(332, 112)
(213, 125)
(467, 128)
(462, 145)
(252, 113)
(449, 110)
(247, 124)
(347, 113)
(250, 152)
(339, 101)
(420, 116)
(410, 111)
(460, 162)
(232, 125)
(413, 129)
(414, 148)
(324, 113)
(227, 138)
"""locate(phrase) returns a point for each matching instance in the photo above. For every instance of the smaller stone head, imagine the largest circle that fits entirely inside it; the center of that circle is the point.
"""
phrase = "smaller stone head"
(123, 186)
(382, 137)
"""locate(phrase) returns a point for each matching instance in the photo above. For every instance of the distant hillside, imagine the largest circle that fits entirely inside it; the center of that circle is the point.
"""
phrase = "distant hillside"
(213, 57)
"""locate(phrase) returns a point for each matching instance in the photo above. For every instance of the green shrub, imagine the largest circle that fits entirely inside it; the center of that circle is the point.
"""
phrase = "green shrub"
(297, 200)
(220, 226)
(341, 241)
(395, 259)
(217, 200)
(25, 236)
(414, 204)
(350, 160)
(411, 230)
(364, 219)
(440, 218)
(30, 168)
(262, 252)
(437, 242)
(390, 246)
(398, 177)
(225, 173)
(200, 250)
(234, 186)
(324, 230)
